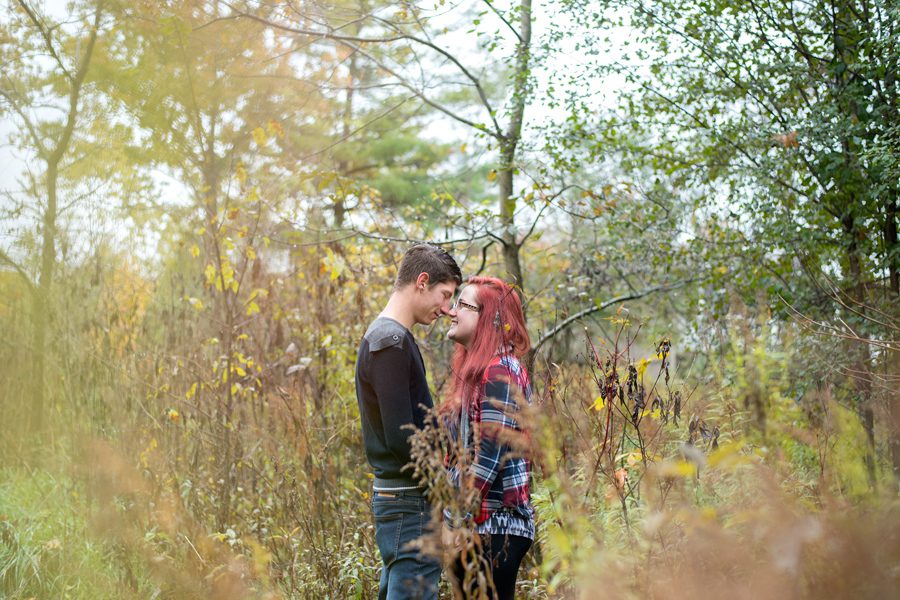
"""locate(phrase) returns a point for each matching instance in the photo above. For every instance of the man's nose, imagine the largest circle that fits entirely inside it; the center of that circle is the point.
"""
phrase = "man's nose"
(447, 309)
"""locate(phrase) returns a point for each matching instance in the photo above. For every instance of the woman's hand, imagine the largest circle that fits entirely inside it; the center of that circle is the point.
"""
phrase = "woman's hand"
(455, 540)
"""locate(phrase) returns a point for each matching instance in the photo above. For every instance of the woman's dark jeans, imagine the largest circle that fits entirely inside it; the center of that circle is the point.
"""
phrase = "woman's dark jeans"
(400, 518)
(504, 553)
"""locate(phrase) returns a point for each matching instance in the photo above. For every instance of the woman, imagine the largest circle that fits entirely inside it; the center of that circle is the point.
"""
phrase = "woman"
(489, 384)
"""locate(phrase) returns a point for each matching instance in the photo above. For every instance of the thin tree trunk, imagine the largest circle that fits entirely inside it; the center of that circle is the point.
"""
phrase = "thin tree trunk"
(893, 369)
(343, 167)
(859, 351)
(508, 145)
(41, 305)
(893, 357)
(890, 247)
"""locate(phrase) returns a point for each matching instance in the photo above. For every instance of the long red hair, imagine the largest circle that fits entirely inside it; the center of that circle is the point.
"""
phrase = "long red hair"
(500, 330)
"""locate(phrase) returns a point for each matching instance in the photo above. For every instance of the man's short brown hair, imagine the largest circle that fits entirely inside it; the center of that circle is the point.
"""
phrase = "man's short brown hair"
(427, 258)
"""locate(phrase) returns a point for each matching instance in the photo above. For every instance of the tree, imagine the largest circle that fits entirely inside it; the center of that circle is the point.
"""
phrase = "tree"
(427, 67)
(47, 67)
(777, 117)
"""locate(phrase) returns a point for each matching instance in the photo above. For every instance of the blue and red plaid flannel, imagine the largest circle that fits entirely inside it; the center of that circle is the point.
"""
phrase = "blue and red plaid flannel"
(501, 472)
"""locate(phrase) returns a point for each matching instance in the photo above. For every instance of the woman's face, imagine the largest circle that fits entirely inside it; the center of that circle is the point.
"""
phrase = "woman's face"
(464, 316)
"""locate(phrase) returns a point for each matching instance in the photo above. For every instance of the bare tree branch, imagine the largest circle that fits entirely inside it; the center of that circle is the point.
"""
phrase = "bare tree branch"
(32, 131)
(502, 18)
(8, 260)
(352, 40)
(824, 328)
(537, 218)
(45, 33)
(562, 325)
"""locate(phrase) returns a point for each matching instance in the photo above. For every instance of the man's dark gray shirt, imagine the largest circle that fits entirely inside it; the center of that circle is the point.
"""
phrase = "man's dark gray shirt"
(392, 391)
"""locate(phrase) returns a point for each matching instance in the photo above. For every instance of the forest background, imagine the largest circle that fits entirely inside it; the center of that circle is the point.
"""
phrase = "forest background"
(204, 204)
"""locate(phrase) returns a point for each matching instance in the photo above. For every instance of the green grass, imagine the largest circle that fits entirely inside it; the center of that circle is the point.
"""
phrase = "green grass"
(46, 550)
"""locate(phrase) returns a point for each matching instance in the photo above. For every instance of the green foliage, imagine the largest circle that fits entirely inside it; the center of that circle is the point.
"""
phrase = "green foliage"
(47, 547)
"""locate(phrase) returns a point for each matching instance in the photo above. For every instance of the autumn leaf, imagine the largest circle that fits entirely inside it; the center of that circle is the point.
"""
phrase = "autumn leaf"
(621, 477)
(642, 367)
(260, 137)
(786, 140)
(274, 128)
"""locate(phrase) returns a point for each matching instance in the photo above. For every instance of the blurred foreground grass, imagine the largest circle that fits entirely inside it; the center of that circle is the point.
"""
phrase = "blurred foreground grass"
(46, 547)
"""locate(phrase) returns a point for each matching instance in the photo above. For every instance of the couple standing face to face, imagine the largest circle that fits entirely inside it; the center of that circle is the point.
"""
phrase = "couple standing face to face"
(434, 300)
(393, 394)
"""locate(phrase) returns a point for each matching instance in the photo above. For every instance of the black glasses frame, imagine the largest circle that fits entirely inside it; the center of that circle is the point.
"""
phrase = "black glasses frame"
(461, 304)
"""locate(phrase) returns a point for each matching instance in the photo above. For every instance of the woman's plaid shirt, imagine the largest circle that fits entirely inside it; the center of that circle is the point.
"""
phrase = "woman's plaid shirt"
(499, 470)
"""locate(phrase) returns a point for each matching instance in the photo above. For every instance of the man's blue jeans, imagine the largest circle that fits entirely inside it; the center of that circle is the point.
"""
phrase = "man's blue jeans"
(401, 517)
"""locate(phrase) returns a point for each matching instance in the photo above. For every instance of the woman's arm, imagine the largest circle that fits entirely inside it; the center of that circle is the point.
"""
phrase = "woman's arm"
(498, 407)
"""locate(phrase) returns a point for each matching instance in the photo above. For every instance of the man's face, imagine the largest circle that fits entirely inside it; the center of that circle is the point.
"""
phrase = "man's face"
(434, 301)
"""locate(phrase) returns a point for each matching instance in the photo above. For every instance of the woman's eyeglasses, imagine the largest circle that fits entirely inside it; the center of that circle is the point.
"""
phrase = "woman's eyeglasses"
(460, 304)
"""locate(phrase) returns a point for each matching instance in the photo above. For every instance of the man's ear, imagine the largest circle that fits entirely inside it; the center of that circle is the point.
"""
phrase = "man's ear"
(422, 281)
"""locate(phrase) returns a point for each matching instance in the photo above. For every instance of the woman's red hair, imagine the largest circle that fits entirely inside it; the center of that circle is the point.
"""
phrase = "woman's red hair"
(500, 330)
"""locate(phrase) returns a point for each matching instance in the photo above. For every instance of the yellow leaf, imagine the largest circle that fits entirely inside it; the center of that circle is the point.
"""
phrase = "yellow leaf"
(676, 468)
(599, 403)
(251, 253)
(266, 241)
(259, 136)
(462, 148)
(210, 274)
(252, 308)
(195, 250)
(642, 367)
(728, 456)
(492, 175)
(190, 393)
(240, 371)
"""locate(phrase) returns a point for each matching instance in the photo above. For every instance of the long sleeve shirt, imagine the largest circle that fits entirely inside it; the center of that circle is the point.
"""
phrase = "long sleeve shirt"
(392, 392)
(500, 472)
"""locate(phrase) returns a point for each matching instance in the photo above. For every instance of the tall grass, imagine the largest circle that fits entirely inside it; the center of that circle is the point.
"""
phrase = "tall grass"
(735, 478)
(47, 548)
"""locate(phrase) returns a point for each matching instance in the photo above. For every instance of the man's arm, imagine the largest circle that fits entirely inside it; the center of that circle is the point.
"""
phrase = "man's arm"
(390, 379)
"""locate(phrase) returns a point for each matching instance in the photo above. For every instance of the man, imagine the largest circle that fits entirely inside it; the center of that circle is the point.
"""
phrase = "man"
(392, 391)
